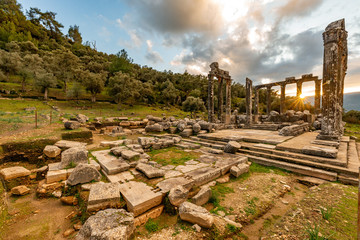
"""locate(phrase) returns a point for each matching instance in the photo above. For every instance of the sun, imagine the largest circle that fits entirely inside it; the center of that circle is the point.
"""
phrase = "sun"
(302, 96)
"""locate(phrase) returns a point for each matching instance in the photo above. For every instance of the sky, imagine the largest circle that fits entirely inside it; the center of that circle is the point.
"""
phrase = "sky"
(264, 40)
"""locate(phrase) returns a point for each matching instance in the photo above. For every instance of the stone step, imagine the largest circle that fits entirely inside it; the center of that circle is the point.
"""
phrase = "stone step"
(270, 127)
(271, 150)
(348, 180)
(197, 139)
(109, 163)
(205, 144)
(304, 170)
(185, 144)
(352, 156)
(327, 167)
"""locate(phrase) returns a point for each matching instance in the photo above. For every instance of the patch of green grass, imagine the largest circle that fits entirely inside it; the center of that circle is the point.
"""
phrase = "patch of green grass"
(152, 226)
(265, 169)
(70, 165)
(326, 213)
(172, 156)
(219, 191)
(251, 208)
(352, 129)
(313, 233)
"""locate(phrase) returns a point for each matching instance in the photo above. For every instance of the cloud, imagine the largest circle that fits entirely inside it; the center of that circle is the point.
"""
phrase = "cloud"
(152, 55)
(174, 16)
(298, 8)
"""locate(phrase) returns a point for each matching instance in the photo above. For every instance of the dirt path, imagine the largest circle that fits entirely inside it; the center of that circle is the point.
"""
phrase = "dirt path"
(282, 205)
(33, 218)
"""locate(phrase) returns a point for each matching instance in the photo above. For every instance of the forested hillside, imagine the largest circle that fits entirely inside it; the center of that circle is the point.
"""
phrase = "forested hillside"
(38, 60)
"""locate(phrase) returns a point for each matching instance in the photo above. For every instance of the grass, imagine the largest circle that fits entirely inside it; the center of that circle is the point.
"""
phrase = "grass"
(326, 213)
(70, 165)
(251, 208)
(219, 191)
(314, 233)
(152, 226)
(173, 156)
(4, 215)
(352, 129)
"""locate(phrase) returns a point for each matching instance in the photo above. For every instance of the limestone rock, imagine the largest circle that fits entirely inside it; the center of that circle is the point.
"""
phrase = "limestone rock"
(52, 151)
(108, 224)
(202, 196)
(130, 155)
(104, 195)
(14, 172)
(76, 155)
(232, 147)
(20, 190)
(65, 144)
(69, 200)
(320, 151)
(240, 169)
(150, 171)
(154, 128)
(71, 125)
(195, 214)
(196, 128)
(178, 195)
(181, 126)
(81, 118)
(83, 173)
(118, 150)
(186, 133)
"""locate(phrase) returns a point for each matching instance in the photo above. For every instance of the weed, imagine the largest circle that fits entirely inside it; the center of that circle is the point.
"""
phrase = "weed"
(251, 208)
(313, 233)
(70, 165)
(231, 228)
(326, 213)
(152, 226)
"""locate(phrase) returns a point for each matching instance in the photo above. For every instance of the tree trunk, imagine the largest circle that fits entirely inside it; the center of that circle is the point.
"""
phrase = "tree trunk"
(93, 98)
(65, 87)
(23, 85)
(46, 94)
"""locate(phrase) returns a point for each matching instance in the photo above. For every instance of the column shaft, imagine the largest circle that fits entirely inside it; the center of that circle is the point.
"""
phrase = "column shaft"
(268, 100)
(282, 99)
(220, 99)
(228, 102)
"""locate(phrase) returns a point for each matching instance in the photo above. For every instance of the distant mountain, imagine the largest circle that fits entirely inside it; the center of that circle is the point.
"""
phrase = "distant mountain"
(351, 101)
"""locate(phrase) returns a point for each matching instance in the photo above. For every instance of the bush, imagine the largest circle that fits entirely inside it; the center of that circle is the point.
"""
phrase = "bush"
(352, 117)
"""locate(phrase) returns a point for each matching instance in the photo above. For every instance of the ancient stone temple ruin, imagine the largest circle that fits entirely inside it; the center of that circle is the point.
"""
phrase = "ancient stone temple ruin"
(221, 76)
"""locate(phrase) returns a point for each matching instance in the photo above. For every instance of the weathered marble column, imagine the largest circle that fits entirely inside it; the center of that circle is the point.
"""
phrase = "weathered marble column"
(210, 98)
(220, 99)
(282, 98)
(256, 105)
(334, 71)
(228, 101)
(248, 101)
(317, 96)
(268, 100)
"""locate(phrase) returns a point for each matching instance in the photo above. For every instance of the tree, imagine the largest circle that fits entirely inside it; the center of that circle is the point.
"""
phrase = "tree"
(75, 91)
(169, 93)
(47, 19)
(193, 105)
(28, 68)
(121, 62)
(45, 80)
(124, 87)
(74, 34)
(9, 62)
(94, 83)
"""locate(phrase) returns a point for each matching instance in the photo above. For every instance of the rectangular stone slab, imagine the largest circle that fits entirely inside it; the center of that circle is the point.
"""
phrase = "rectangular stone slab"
(139, 197)
(56, 176)
(110, 163)
(103, 195)
(204, 175)
(320, 151)
(14, 172)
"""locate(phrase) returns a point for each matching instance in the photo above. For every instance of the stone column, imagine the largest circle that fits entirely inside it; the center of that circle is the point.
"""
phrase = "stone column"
(317, 96)
(210, 99)
(228, 101)
(334, 70)
(220, 99)
(282, 98)
(248, 101)
(268, 100)
(256, 105)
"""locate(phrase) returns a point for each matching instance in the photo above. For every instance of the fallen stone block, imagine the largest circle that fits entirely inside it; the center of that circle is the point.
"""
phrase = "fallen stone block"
(112, 144)
(20, 190)
(14, 172)
(152, 213)
(204, 175)
(56, 176)
(109, 163)
(95, 164)
(186, 133)
(83, 173)
(139, 197)
(195, 214)
(108, 224)
(52, 151)
(215, 151)
(154, 128)
(130, 155)
(170, 183)
(104, 195)
(118, 150)
(232, 147)
(150, 171)
(320, 151)
(73, 155)
(202, 196)
(178, 195)
(121, 177)
(240, 169)
(224, 164)
(71, 125)
(65, 144)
